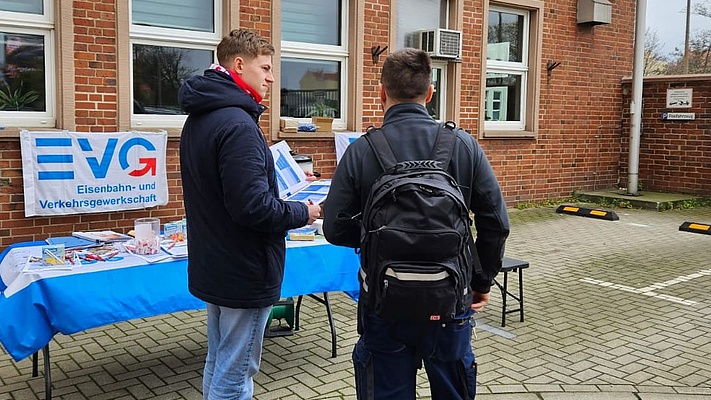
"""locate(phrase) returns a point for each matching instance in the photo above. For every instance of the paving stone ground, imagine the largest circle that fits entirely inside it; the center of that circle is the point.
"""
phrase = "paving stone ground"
(613, 310)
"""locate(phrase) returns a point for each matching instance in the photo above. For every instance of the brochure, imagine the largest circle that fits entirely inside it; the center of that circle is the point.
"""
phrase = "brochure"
(292, 181)
(102, 236)
(52, 258)
(176, 249)
(315, 192)
(290, 177)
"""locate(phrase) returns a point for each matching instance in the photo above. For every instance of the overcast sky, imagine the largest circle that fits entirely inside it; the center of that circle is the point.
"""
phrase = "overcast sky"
(668, 19)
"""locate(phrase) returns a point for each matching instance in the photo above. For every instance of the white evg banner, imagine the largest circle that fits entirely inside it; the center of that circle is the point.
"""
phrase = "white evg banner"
(79, 172)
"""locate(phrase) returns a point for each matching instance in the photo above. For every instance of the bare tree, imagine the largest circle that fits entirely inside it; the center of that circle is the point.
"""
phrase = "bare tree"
(654, 62)
(699, 51)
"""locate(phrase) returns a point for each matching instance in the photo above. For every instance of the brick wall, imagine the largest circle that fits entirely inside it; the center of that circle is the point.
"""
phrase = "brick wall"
(95, 66)
(578, 146)
(580, 127)
(580, 104)
(674, 156)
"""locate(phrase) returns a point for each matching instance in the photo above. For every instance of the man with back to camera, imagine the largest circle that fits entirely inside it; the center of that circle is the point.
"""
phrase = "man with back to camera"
(389, 353)
(236, 221)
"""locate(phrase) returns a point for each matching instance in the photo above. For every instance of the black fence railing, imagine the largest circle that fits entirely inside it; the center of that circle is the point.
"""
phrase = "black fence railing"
(307, 103)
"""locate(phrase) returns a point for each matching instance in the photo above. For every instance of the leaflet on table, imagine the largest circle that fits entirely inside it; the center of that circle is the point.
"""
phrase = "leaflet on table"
(36, 264)
(169, 250)
(102, 236)
(14, 262)
(177, 249)
(52, 257)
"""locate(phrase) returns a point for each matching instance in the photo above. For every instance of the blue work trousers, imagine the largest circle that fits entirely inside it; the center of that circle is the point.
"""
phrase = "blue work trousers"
(388, 355)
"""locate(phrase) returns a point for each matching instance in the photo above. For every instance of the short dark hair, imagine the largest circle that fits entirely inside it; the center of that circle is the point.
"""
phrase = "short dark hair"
(407, 74)
(245, 43)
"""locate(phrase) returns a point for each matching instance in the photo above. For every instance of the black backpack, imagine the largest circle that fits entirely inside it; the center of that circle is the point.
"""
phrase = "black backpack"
(417, 249)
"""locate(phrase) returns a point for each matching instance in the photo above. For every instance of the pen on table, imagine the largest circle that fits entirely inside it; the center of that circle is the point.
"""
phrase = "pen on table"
(90, 256)
(109, 255)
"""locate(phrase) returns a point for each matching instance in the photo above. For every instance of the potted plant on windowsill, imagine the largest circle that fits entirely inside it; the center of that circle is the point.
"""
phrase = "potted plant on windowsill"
(322, 116)
(16, 100)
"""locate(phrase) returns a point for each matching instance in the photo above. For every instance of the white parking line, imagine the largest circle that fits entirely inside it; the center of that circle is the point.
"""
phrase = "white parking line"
(648, 291)
(638, 225)
(496, 331)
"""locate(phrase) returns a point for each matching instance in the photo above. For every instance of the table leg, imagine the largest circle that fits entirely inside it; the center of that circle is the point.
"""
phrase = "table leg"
(520, 292)
(34, 365)
(504, 295)
(333, 326)
(327, 303)
(296, 314)
(47, 373)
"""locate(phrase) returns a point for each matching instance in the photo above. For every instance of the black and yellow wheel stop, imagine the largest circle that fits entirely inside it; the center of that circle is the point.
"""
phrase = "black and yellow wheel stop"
(588, 212)
(695, 227)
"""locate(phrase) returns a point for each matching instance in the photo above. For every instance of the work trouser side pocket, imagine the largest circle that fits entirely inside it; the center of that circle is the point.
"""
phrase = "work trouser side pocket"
(467, 375)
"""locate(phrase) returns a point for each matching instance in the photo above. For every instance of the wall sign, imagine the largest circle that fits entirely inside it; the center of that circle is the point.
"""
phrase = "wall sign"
(678, 116)
(679, 98)
(75, 172)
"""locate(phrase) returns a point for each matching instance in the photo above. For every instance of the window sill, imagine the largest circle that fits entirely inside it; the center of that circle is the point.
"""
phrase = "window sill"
(304, 135)
(13, 133)
(493, 134)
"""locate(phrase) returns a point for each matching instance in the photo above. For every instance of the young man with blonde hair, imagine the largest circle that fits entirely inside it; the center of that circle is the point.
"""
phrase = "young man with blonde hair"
(236, 220)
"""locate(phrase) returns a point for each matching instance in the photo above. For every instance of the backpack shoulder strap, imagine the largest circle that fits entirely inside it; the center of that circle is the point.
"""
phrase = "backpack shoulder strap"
(383, 152)
(444, 144)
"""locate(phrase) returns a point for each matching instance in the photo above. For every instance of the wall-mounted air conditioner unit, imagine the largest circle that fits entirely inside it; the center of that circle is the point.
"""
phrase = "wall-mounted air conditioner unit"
(442, 43)
(594, 12)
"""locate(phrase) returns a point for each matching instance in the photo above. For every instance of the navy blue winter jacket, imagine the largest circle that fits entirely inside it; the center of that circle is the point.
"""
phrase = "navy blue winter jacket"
(236, 221)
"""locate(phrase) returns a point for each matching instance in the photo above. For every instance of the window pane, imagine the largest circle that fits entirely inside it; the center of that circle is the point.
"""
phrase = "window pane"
(309, 86)
(157, 74)
(196, 15)
(503, 97)
(505, 37)
(415, 15)
(311, 21)
(22, 72)
(434, 107)
(23, 6)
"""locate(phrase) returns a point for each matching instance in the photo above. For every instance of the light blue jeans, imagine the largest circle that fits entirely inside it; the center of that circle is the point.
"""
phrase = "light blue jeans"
(234, 351)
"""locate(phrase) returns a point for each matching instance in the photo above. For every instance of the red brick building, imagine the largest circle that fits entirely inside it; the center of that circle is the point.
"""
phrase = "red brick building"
(542, 92)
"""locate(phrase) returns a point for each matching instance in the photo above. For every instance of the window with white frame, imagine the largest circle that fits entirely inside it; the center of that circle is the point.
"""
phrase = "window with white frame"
(314, 59)
(507, 71)
(27, 71)
(414, 16)
(436, 106)
(171, 40)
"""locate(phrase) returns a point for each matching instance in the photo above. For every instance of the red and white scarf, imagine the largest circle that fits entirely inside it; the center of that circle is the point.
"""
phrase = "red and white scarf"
(239, 82)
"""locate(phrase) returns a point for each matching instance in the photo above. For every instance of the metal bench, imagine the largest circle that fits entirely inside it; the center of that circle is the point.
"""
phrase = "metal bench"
(511, 265)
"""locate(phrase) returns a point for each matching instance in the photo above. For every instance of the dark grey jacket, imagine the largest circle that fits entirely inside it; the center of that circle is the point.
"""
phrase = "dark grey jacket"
(236, 222)
(411, 133)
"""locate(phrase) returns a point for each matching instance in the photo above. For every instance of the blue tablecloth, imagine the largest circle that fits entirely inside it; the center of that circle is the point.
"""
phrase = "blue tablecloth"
(76, 302)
